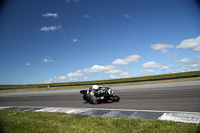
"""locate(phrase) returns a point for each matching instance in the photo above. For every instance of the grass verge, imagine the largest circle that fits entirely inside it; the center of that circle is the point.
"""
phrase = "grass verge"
(27, 121)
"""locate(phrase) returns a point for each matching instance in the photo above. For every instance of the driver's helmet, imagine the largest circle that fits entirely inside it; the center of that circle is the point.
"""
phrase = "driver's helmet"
(95, 87)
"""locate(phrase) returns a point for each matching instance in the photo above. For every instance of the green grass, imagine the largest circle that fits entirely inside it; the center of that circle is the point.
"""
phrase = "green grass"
(133, 79)
(177, 77)
(15, 121)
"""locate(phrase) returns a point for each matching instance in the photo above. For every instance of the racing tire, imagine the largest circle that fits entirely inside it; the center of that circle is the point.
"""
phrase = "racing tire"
(85, 98)
(115, 98)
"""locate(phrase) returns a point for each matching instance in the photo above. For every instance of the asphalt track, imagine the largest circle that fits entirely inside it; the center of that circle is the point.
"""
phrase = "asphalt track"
(179, 96)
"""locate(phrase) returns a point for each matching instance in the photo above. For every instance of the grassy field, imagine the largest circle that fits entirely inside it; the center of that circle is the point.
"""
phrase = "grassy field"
(177, 77)
(15, 121)
(129, 80)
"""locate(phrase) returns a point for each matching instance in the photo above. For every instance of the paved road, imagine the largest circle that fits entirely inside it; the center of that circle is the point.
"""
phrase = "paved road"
(164, 97)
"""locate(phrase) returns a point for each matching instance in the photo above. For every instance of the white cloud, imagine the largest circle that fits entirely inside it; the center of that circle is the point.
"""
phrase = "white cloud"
(75, 1)
(98, 68)
(164, 68)
(151, 64)
(48, 81)
(47, 59)
(107, 69)
(192, 67)
(60, 78)
(193, 44)
(77, 73)
(74, 40)
(55, 15)
(127, 60)
(120, 62)
(148, 72)
(161, 47)
(113, 71)
(119, 75)
(56, 79)
(173, 55)
(124, 75)
(85, 78)
(87, 16)
(28, 64)
(190, 64)
(51, 28)
(187, 60)
(113, 77)
(73, 79)
(132, 58)
(126, 16)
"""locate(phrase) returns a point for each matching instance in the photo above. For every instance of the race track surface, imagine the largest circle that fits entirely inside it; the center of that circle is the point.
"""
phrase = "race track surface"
(163, 97)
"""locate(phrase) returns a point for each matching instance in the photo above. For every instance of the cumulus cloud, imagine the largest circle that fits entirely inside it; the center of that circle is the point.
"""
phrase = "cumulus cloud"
(98, 68)
(193, 44)
(87, 16)
(192, 67)
(124, 75)
(48, 81)
(55, 15)
(51, 28)
(47, 59)
(60, 78)
(148, 72)
(75, 1)
(151, 64)
(113, 77)
(74, 40)
(77, 73)
(127, 60)
(73, 79)
(126, 16)
(190, 64)
(173, 55)
(120, 62)
(28, 64)
(187, 60)
(85, 78)
(69, 76)
(164, 68)
(119, 75)
(107, 69)
(113, 71)
(162, 47)
(56, 79)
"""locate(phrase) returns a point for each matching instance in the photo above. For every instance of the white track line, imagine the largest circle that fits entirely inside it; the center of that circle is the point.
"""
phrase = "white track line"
(181, 117)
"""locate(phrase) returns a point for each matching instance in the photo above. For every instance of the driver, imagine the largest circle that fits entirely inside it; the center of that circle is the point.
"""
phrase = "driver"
(94, 94)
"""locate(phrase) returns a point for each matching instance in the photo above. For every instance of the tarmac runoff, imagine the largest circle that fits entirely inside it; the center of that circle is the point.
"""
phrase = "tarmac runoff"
(177, 116)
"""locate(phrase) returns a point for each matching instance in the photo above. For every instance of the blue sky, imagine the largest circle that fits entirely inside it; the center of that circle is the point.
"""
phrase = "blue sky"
(81, 40)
